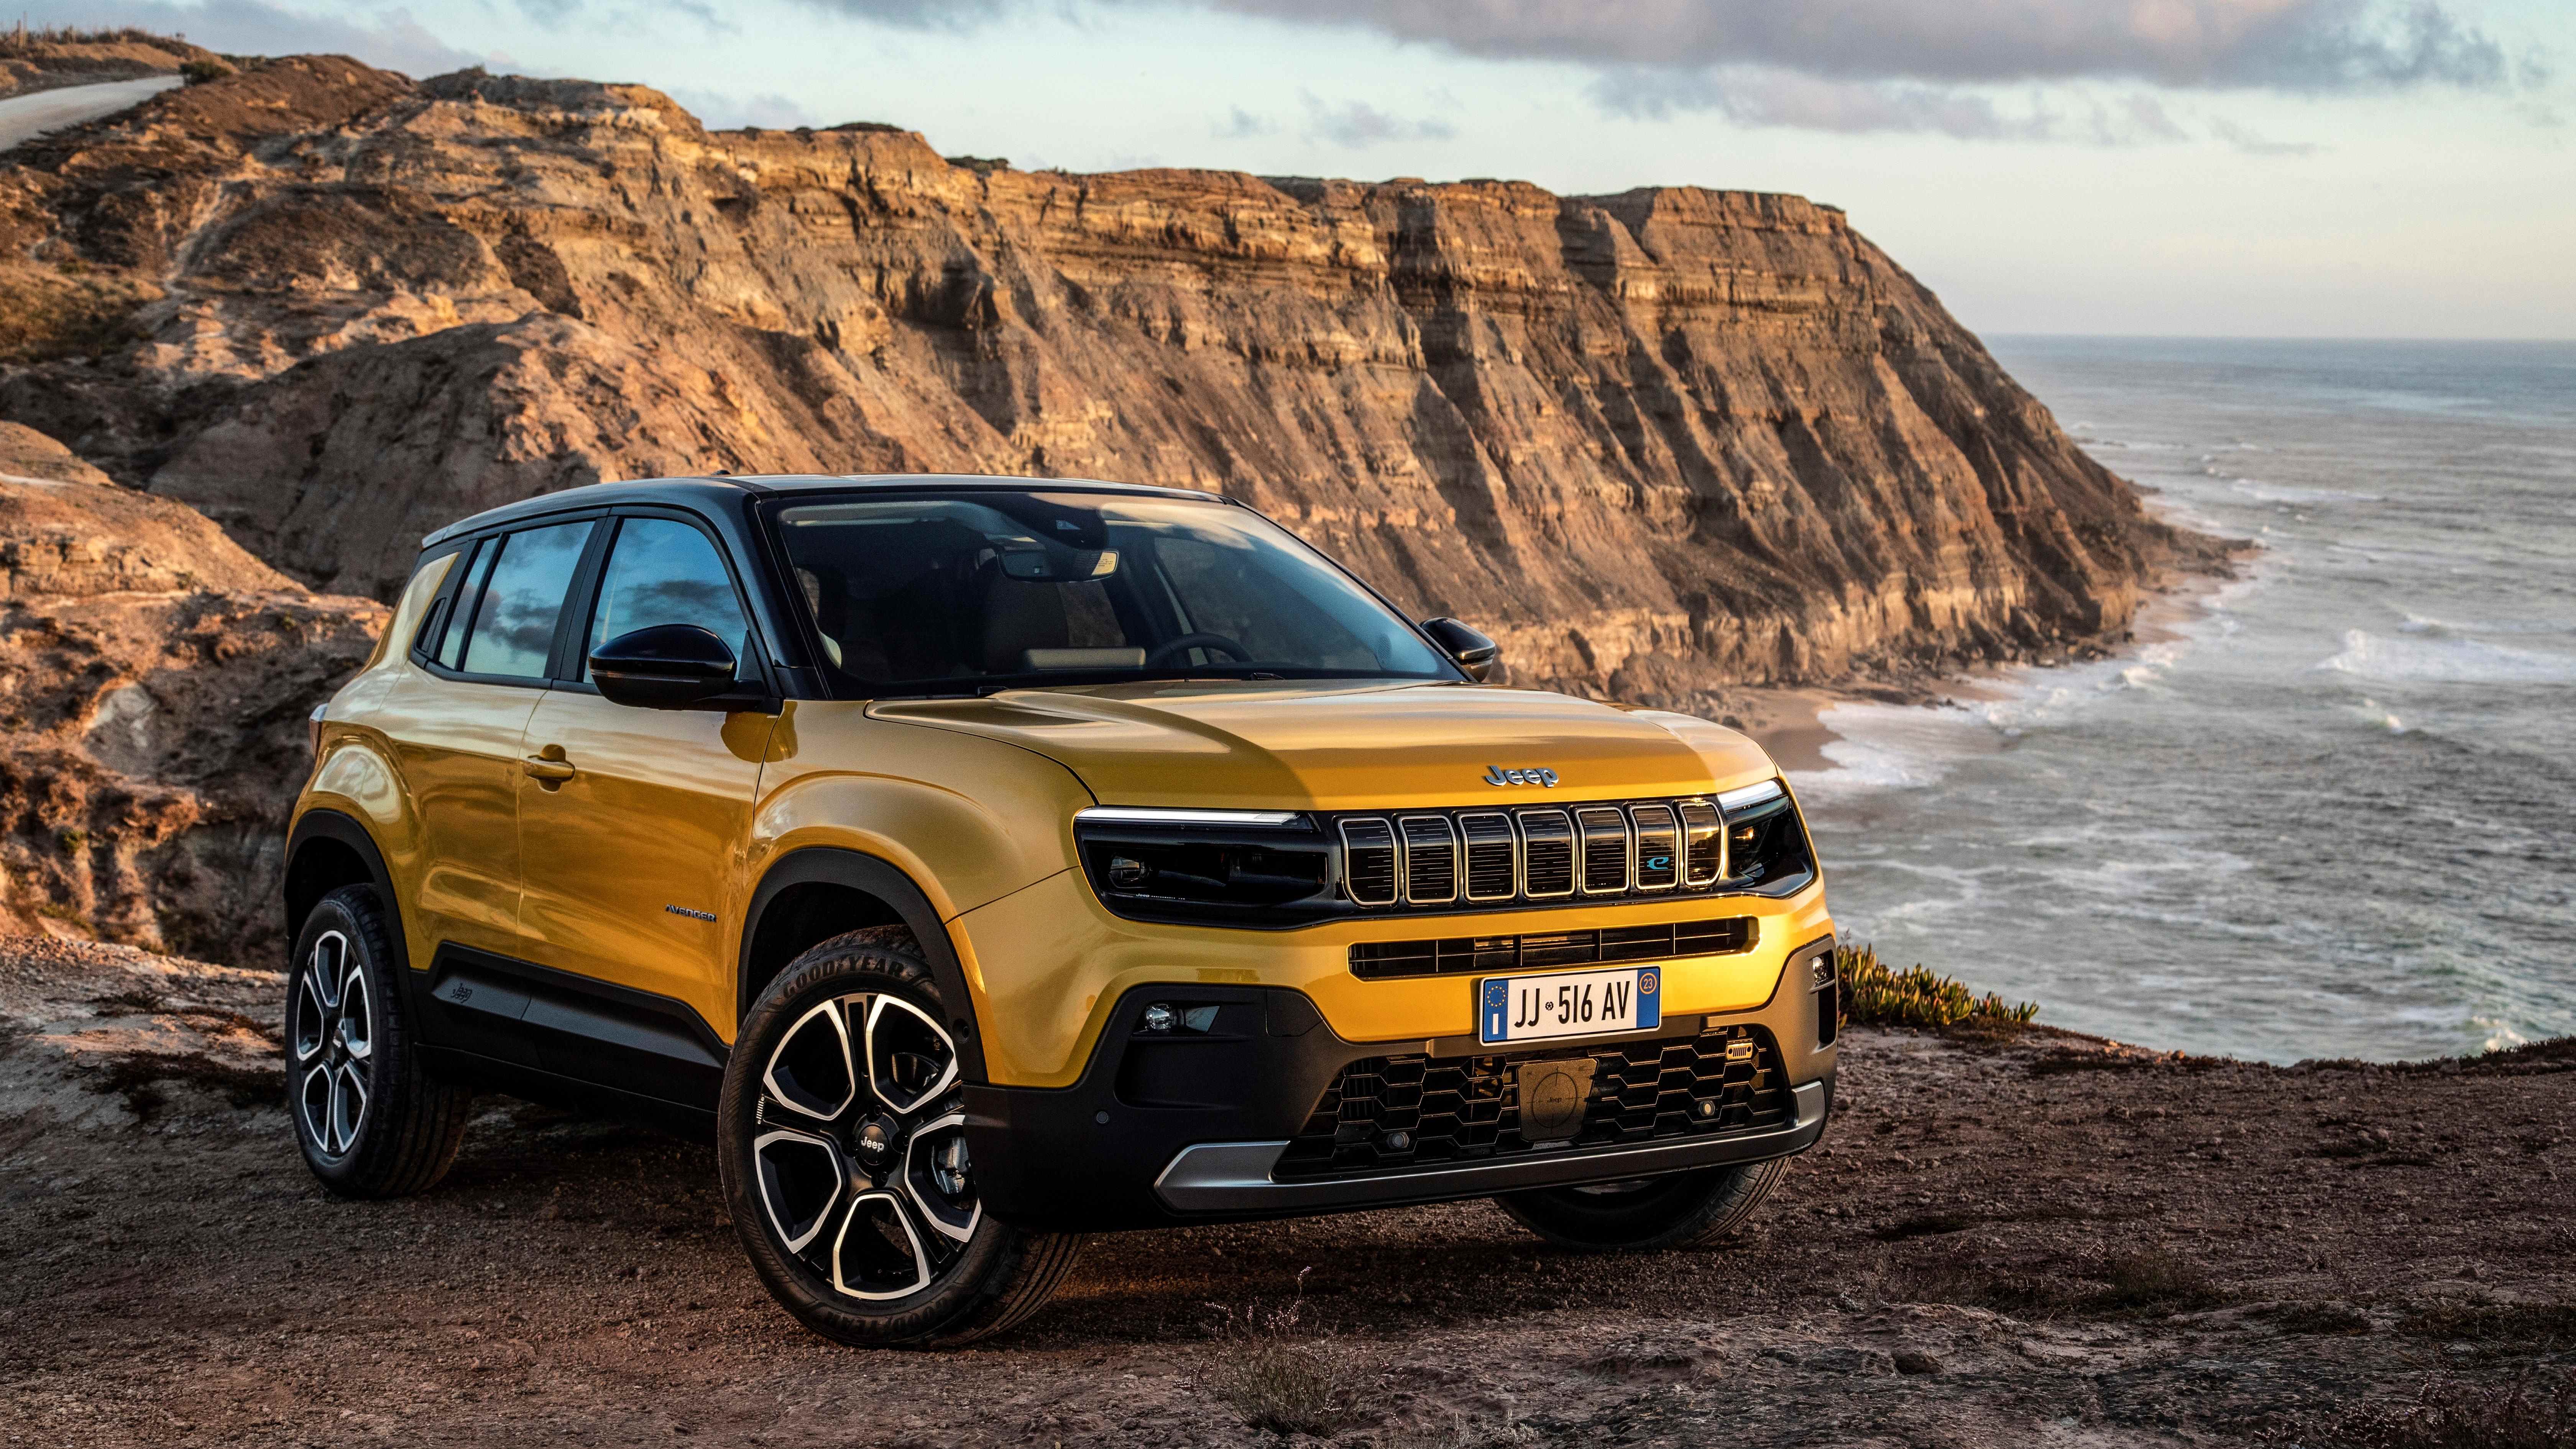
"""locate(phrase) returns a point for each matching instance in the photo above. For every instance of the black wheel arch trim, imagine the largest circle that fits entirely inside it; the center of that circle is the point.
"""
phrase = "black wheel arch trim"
(873, 876)
(344, 829)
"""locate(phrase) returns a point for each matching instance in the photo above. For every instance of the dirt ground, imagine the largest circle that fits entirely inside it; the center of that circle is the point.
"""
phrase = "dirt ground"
(2054, 1241)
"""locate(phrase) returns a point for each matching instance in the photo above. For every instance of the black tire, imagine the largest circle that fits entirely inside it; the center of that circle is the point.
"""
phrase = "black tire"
(371, 1121)
(824, 1210)
(1649, 1215)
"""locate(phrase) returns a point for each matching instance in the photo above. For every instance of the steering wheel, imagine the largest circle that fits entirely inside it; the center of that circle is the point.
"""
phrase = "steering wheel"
(1174, 649)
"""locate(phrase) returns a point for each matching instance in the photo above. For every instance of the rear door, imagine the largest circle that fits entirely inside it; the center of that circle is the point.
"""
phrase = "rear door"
(633, 844)
(456, 721)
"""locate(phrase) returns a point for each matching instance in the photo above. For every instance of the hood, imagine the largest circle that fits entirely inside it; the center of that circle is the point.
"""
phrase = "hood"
(1346, 747)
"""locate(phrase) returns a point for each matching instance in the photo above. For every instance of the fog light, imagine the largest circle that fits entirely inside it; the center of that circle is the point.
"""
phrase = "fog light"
(1159, 1017)
(1127, 873)
(1822, 969)
(1399, 1142)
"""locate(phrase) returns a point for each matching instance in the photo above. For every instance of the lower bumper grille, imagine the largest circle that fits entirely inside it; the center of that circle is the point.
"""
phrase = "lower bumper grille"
(1413, 1111)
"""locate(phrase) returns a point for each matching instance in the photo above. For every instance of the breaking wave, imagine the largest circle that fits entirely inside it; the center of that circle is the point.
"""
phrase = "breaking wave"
(2431, 658)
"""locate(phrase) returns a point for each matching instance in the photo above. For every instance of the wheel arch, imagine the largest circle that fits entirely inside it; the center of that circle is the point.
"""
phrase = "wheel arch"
(328, 850)
(817, 892)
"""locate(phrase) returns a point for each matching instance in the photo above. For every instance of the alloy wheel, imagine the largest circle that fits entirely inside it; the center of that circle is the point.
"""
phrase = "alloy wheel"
(334, 1037)
(860, 1146)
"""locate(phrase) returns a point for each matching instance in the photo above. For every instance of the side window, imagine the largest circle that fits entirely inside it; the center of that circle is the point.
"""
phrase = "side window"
(436, 577)
(662, 571)
(514, 626)
(451, 649)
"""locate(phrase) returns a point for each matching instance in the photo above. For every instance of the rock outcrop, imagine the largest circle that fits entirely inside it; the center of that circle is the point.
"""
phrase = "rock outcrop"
(1660, 442)
(154, 680)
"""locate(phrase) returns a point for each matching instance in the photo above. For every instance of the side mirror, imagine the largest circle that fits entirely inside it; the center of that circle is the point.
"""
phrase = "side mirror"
(668, 666)
(1475, 653)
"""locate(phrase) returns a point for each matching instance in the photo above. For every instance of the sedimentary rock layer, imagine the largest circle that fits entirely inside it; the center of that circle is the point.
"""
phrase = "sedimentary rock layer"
(1658, 441)
(153, 684)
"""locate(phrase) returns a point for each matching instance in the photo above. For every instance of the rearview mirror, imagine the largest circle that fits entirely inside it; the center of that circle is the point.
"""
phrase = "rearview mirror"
(668, 666)
(1475, 653)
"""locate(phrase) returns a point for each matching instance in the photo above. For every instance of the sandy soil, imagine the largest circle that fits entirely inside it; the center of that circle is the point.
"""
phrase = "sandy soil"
(2056, 1241)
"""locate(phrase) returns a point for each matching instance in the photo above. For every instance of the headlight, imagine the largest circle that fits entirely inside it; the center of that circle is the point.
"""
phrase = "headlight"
(1234, 867)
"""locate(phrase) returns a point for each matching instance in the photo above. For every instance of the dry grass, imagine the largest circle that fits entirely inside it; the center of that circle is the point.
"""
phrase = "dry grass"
(45, 314)
(2534, 1326)
(24, 39)
(2156, 1281)
(2531, 1412)
(1276, 1378)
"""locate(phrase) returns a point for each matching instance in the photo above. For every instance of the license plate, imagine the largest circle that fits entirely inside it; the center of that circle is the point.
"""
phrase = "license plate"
(1568, 1003)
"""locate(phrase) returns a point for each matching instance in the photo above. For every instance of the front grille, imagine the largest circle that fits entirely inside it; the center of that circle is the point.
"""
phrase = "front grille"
(1288, 868)
(1377, 960)
(1412, 1111)
(1610, 850)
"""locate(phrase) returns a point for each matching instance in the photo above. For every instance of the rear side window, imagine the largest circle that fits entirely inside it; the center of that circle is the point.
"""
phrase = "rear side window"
(523, 595)
(662, 571)
(451, 649)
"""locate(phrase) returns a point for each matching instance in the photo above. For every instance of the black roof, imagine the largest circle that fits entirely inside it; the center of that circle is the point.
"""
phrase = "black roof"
(717, 492)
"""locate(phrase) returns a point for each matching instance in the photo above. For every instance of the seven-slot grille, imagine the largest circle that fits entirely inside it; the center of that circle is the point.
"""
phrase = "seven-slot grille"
(1385, 1113)
(1532, 854)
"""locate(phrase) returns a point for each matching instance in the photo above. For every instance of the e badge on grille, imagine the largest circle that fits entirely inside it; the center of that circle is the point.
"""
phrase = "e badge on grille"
(1497, 775)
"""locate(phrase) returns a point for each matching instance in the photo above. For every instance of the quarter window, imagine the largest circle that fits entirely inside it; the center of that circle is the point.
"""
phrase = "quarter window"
(663, 571)
(451, 649)
(514, 629)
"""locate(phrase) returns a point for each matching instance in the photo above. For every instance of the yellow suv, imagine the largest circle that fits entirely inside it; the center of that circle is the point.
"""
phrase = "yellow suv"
(981, 862)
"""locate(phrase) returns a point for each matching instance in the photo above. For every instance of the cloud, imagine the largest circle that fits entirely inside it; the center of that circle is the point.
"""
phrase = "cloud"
(1764, 96)
(1357, 125)
(2245, 139)
(920, 14)
(725, 111)
(2294, 45)
(1240, 123)
(388, 38)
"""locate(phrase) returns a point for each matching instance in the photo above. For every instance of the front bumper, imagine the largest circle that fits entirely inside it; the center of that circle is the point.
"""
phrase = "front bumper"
(1169, 1129)
(1237, 1177)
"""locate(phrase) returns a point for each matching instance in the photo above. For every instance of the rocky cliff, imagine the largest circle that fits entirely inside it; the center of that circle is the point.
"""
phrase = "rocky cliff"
(1662, 443)
(153, 684)
(1658, 441)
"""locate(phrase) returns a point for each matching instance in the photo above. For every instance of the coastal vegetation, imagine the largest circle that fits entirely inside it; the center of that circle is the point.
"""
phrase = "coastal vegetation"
(1875, 994)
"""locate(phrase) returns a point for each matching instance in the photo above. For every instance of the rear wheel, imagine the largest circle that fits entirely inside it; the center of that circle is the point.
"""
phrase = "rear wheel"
(371, 1121)
(1650, 1213)
(842, 1146)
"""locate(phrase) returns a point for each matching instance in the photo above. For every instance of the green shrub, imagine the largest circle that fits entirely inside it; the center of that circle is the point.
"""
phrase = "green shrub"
(1874, 995)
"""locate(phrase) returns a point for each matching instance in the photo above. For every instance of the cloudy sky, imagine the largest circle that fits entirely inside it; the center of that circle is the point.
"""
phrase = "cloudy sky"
(2199, 167)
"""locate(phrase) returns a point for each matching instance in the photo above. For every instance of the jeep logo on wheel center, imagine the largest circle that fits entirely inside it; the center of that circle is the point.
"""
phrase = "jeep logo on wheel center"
(1497, 775)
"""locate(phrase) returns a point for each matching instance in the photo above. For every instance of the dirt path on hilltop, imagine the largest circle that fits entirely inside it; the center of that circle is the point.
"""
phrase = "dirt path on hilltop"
(2055, 1242)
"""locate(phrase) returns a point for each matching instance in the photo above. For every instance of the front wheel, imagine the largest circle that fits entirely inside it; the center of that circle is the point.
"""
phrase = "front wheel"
(1647, 1214)
(842, 1148)
(371, 1119)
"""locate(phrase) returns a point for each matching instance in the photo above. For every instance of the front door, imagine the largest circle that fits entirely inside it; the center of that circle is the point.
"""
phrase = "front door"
(456, 725)
(632, 847)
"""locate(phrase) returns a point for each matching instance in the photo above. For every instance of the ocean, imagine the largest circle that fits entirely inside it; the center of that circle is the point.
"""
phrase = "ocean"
(2331, 812)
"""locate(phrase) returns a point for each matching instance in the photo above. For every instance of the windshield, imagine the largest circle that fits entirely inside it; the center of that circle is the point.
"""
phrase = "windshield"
(930, 594)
